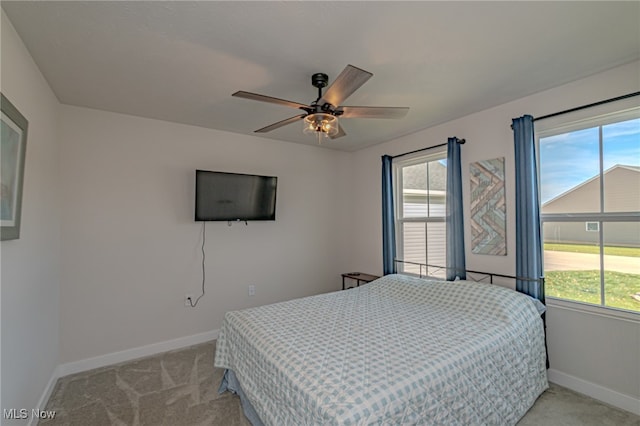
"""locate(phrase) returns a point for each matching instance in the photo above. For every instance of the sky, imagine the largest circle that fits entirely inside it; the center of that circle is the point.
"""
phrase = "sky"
(621, 145)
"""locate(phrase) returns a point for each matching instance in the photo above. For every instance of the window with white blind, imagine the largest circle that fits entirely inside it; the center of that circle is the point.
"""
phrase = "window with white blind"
(420, 184)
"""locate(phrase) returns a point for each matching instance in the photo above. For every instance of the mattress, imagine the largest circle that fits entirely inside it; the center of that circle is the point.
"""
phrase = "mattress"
(399, 350)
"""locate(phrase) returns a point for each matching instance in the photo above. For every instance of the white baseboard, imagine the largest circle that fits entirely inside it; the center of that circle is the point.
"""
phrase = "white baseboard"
(44, 398)
(118, 357)
(134, 353)
(606, 395)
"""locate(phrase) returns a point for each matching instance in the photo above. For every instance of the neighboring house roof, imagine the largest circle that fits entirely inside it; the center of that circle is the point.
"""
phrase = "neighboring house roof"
(624, 166)
(596, 177)
(416, 177)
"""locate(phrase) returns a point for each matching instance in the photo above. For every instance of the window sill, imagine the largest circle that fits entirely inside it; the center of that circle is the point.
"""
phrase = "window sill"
(593, 309)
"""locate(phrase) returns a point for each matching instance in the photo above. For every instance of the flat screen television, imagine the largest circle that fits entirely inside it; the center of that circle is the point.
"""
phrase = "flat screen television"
(227, 197)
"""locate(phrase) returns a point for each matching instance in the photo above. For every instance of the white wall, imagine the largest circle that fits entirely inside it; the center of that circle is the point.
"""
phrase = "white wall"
(131, 248)
(30, 276)
(608, 355)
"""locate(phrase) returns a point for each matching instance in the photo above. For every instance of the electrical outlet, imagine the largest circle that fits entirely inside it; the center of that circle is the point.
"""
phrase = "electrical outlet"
(252, 290)
(188, 300)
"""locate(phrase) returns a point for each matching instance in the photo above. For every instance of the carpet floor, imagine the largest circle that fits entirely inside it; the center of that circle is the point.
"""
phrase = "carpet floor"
(179, 388)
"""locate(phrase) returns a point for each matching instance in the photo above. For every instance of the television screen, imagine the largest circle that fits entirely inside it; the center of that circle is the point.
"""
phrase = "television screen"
(233, 196)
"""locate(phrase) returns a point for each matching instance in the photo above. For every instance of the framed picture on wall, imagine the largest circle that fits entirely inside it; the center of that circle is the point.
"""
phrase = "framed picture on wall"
(13, 127)
(488, 208)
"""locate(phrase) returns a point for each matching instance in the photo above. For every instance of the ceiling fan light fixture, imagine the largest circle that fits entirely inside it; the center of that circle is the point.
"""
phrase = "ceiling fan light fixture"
(320, 118)
(321, 124)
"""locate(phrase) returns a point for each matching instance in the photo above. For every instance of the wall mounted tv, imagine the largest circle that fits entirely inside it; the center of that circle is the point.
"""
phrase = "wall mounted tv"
(229, 197)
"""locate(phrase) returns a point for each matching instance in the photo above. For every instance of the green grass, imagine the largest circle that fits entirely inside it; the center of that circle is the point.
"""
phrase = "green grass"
(593, 249)
(584, 286)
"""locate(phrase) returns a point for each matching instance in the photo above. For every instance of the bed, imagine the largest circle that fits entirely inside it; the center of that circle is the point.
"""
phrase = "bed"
(399, 350)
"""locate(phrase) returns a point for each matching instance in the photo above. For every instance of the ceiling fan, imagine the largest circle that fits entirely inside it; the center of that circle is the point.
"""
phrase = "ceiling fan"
(321, 116)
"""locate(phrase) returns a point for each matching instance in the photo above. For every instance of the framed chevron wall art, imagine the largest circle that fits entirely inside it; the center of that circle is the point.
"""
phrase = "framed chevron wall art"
(488, 207)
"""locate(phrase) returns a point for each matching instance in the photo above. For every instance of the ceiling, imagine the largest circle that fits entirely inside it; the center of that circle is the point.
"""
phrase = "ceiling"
(181, 61)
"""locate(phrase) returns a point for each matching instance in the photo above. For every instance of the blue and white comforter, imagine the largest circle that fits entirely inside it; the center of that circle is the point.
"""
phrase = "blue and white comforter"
(397, 351)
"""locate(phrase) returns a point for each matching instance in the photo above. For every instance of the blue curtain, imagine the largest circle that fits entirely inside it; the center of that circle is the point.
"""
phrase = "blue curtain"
(455, 225)
(528, 237)
(388, 220)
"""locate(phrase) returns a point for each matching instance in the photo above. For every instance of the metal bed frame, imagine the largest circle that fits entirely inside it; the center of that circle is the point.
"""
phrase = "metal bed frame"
(426, 270)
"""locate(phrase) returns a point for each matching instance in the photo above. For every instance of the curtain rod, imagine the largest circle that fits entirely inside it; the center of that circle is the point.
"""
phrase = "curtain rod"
(460, 141)
(606, 101)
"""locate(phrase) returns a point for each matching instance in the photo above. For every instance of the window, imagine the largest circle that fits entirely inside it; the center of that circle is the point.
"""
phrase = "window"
(592, 226)
(590, 213)
(420, 186)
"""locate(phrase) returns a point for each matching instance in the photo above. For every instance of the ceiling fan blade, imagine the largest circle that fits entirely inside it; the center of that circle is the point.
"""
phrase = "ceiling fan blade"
(349, 80)
(373, 112)
(340, 133)
(280, 123)
(269, 99)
